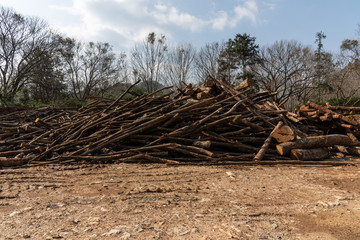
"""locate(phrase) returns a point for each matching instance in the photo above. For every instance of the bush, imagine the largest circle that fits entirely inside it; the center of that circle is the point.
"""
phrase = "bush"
(352, 102)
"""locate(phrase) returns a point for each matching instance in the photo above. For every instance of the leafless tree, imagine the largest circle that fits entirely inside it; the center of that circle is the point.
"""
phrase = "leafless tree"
(179, 67)
(345, 80)
(147, 61)
(24, 42)
(286, 68)
(90, 68)
(207, 61)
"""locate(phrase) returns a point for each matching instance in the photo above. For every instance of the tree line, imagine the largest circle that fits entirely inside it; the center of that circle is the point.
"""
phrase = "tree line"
(39, 65)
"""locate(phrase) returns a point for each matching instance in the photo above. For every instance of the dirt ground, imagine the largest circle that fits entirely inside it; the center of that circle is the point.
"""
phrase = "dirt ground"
(154, 201)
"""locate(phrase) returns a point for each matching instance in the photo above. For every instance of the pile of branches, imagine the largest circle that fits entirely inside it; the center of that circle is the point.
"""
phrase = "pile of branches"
(215, 124)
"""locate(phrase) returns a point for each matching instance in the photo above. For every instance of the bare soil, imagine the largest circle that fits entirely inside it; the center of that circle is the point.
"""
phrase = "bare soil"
(155, 201)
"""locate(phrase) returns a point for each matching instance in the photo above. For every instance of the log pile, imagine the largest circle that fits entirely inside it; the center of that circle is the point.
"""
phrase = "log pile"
(214, 124)
(330, 119)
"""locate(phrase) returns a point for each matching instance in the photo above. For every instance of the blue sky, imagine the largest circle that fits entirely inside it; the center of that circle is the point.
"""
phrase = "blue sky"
(122, 23)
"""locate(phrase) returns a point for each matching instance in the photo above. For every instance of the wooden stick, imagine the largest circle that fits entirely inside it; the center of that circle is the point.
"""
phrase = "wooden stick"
(121, 96)
(259, 156)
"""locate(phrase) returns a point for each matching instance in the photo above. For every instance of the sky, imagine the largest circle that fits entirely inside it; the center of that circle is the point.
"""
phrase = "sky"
(123, 23)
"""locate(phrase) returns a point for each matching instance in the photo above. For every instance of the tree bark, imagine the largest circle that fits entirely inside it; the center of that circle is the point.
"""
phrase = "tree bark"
(11, 162)
(310, 154)
(315, 142)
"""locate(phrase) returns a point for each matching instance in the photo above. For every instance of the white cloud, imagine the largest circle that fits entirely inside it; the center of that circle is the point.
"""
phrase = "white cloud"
(249, 10)
(221, 21)
(132, 20)
(172, 16)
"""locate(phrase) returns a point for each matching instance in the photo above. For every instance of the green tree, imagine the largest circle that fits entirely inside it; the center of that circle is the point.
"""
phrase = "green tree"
(240, 53)
(47, 82)
(323, 67)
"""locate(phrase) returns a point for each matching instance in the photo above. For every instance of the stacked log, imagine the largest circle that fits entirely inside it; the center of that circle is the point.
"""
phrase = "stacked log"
(339, 132)
(214, 124)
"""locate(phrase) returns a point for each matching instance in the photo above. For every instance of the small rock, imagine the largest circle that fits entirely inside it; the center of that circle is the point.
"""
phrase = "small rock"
(57, 237)
(103, 209)
(125, 236)
(112, 232)
(52, 206)
(195, 230)
(274, 226)
(14, 213)
(76, 221)
(137, 211)
(184, 233)
(138, 228)
(231, 175)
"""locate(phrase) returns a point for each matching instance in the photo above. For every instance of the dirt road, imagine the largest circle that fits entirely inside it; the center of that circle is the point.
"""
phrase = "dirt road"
(131, 201)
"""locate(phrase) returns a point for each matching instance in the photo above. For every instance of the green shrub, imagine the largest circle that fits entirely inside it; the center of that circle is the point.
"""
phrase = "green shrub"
(354, 101)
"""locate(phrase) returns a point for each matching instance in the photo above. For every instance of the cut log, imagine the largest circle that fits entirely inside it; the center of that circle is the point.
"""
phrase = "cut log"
(203, 144)
(209, 81)
(189, 91)
(315, 142)
(304, 108)
(326, 117)
(355, 151)
(326, 110)
(310, 154)
(284, 134)
(259, 156)
(343, 108)
(244, 84)
(202, 95)
(11, 162)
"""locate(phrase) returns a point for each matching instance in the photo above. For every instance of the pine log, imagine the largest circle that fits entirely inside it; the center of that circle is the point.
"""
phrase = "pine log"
(259, 156)
(304, 108)
(355, 151)
(203, 144)
(284, 134)
(326, 110)
(314, 154)
(11, 162)
(189, 91)
(202, 95)
(343, 108)
(315, 142)
(244, 84)
(209, 81)
(326, 117)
